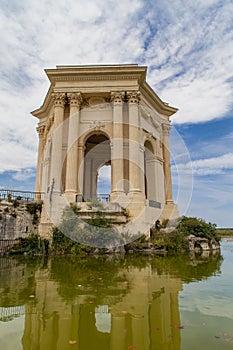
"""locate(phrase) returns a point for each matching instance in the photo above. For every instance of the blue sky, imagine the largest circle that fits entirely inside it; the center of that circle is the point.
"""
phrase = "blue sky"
(188, 48)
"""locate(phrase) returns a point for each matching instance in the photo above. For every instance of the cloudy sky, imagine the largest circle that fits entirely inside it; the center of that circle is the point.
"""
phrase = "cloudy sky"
(188, 48)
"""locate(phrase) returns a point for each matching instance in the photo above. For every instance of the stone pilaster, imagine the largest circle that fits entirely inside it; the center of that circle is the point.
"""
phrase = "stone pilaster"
(81, 149)
(167, 166)
(40, 131)
(134, 149)
(117, 153)
(56, 158)
(71, 187)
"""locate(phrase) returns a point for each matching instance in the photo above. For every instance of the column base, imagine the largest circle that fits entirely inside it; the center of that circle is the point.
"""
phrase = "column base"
(170, 211)
(70, 196)
(115, 195)
(136, 203)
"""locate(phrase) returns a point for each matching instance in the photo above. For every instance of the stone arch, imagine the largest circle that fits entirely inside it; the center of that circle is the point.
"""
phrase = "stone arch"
(97, 153)
(85, 136)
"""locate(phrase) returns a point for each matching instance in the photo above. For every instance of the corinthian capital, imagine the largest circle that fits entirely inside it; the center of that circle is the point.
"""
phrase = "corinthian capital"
(166, 128)
(40, 130)
(133, 96)
(117, 96)
(75, 99)
(58, 99)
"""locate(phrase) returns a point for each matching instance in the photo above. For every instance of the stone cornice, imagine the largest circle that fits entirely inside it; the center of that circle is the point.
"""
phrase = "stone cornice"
(156, 102)
(99, 72)
(131, 72)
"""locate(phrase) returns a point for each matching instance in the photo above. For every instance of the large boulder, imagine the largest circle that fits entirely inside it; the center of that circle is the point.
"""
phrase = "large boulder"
(202, 244)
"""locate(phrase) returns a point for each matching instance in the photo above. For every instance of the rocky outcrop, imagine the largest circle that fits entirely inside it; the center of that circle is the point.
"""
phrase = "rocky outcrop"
(15, 220)
(197, 244)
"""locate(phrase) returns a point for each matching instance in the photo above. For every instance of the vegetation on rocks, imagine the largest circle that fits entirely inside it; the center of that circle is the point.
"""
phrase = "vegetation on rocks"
(177, 239)
(34, 209)
(72, 237)
(31, 245)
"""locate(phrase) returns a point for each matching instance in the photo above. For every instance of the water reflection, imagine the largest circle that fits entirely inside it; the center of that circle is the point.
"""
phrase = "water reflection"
(99, 302)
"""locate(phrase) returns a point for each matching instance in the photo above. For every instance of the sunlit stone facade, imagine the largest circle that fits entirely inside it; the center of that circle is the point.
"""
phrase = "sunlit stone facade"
(96, 116)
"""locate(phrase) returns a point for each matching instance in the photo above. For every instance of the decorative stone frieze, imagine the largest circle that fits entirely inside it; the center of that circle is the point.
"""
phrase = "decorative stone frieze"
(97, 125)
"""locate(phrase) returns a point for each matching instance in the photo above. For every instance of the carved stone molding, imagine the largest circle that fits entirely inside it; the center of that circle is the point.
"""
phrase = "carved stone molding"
(97, 125)
(117, 97)
(133, 97)
(81, 145)
(75, 99)
(58, 99)
(151, 119)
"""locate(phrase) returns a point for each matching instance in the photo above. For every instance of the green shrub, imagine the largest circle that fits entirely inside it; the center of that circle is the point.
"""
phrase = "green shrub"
(34, 209)
(31, 245)
(99, 220)
(197, 227)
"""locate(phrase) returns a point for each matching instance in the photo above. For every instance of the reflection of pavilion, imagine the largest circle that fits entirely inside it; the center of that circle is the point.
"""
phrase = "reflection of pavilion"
(146, 316)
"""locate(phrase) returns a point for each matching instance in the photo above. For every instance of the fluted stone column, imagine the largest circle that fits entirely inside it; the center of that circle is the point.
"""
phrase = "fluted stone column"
(57, 138)
(87, 178)
(167, 166)
(117, 152)
(151, 178)
(134, 149)
(40, 131)
(159, 178)
(71, 188)
(81, 149)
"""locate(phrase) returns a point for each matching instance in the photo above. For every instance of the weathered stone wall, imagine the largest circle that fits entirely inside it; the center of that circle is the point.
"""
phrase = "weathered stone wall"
(15, 221)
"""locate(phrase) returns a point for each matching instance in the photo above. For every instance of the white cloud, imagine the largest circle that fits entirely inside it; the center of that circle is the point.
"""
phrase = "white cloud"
(209, 166)
(193, 58)
(23, 174)
(104, 174)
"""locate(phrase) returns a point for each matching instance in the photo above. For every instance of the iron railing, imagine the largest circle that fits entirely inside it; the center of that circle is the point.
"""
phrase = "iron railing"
(31, 196)
(6, 244)
(101, 197)
(19, 195)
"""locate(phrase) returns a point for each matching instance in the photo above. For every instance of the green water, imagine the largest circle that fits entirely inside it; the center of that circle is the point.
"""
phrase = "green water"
(117, 303)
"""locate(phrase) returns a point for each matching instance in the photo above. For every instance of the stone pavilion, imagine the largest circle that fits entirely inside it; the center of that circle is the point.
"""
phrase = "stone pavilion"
(97, 116)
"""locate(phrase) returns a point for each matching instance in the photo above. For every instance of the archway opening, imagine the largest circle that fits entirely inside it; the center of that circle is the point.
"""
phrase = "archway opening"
(97, 156)
(104, 183)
